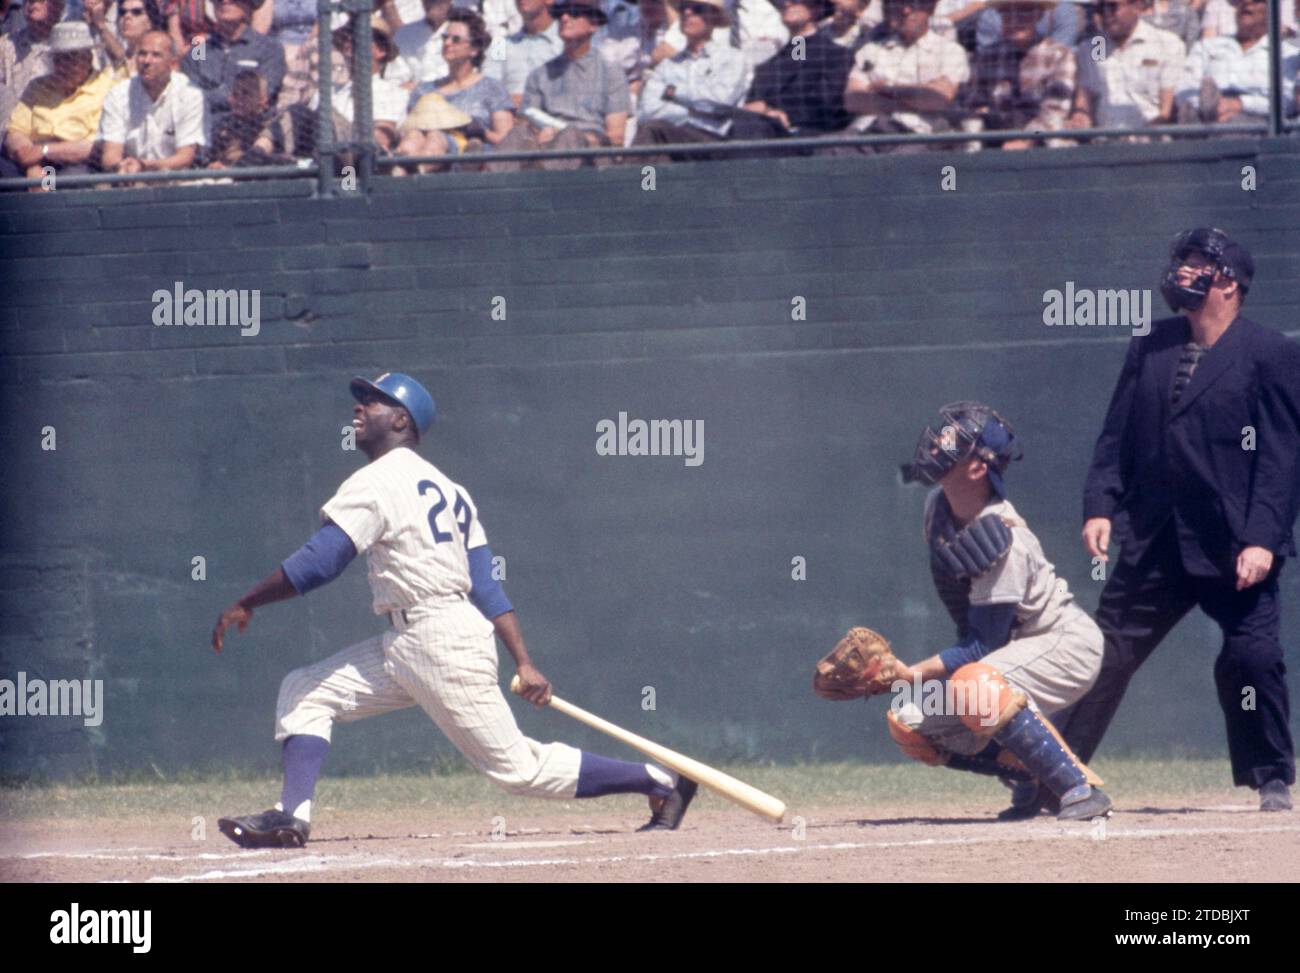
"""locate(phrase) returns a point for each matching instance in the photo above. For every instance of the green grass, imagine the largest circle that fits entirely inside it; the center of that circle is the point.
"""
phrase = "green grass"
(466, 792)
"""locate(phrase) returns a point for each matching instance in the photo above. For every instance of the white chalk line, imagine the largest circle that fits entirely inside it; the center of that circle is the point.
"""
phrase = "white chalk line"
(155, 853)
(325, 863)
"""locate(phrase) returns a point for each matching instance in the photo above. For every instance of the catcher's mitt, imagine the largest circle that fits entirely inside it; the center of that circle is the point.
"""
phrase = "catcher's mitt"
(861, 664)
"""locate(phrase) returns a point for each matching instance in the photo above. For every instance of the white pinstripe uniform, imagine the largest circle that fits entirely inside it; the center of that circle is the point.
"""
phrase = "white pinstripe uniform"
(415, 527)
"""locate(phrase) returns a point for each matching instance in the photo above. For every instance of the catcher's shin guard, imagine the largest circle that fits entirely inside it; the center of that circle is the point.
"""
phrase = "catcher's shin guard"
(1004, 714)
(992, 761)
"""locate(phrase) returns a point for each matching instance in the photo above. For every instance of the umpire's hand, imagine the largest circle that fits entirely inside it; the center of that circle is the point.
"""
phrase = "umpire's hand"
(1096, 537)
(1253, 566)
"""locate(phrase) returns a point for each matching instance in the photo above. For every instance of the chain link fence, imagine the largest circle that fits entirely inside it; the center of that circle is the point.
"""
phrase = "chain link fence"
(130, 92)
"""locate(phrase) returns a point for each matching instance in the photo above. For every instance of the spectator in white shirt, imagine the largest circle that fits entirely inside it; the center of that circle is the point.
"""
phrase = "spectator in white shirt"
(419, 47)
(686, 97)
(1132, 83)
(907, 81)
(758, 29)
(388, 99)
(154, 121)
(523, 51)
(1226, 79)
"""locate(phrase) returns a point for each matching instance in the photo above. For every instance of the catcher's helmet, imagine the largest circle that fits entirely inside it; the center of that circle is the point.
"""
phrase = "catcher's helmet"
(964, 429)
(405, 391)
(1228, 258)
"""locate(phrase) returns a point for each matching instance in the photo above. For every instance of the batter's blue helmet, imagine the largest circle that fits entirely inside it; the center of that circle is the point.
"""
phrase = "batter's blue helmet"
(403, 390)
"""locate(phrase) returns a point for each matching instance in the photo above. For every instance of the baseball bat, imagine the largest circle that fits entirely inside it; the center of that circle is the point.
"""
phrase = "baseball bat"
(736, 791)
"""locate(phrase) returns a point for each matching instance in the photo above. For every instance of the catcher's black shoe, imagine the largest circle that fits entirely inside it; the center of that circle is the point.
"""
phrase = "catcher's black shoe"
(1026, 801)
(270, 829)
(1274, 796)
(668, 815)
(1084, 803)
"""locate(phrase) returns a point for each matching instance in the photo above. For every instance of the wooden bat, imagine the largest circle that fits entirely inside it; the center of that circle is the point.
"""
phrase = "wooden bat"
(737, 791)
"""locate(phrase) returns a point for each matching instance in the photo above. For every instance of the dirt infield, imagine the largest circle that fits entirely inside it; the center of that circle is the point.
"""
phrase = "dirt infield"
(1218, 837)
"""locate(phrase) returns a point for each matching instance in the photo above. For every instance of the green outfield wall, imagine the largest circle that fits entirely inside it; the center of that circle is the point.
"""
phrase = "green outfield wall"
(807, 314)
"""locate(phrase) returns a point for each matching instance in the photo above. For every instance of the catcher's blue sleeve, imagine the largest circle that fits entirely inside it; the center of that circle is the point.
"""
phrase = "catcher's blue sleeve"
(485, 591)
(990, 628)
(320, 560)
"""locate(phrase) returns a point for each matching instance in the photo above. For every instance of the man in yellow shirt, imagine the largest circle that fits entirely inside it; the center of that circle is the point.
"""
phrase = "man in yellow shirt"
(57, 117)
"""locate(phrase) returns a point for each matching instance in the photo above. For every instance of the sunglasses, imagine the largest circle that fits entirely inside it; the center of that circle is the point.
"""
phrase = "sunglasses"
(699, 9)
(133, 11)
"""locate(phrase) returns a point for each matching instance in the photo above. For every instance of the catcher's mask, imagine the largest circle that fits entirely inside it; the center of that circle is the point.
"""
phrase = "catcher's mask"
(964, 429)
(1230, 259)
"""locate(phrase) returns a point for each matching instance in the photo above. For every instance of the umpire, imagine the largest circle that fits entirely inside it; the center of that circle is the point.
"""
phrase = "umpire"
(1196, 473)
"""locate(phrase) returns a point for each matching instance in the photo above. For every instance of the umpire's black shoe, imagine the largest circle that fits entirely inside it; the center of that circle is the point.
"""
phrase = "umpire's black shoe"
(1275, 796)
(270, 829)
(669, 814)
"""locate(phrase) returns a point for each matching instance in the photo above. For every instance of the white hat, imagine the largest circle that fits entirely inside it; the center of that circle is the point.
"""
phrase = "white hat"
(71, 35)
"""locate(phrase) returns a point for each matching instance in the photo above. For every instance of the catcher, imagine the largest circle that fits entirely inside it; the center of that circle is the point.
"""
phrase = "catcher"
(1024, 649)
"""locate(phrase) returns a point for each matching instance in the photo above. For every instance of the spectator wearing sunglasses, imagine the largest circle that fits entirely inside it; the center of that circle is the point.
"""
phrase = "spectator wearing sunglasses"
(577, 100)
(135, 18)
(1132, 83)
(483, 100)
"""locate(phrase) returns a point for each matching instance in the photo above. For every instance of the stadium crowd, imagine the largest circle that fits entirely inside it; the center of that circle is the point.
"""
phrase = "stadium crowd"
(144, 85)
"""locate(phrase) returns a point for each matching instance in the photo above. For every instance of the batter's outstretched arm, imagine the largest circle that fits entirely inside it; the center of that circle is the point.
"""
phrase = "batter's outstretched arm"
(320, 560)
(274, 587)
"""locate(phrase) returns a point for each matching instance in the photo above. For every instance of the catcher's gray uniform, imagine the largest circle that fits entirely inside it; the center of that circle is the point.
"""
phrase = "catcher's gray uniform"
(1055, 650)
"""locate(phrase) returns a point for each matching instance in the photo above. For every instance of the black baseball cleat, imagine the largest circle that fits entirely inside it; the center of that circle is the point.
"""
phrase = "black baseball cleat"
(1026, 801)
(270, 829)
(668, 815)
(1275, 796)
(1083, 803)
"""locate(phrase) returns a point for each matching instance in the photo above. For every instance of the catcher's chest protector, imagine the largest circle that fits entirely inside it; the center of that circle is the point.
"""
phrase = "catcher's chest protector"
(953, 591)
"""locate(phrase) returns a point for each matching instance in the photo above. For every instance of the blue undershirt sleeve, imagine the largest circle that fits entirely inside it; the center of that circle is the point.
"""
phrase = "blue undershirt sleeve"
(990, 628)
(485, 591)
(320, 560)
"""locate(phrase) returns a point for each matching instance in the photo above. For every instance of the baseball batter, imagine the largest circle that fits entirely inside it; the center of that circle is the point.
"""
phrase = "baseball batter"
(1025, 650)
(430, 571)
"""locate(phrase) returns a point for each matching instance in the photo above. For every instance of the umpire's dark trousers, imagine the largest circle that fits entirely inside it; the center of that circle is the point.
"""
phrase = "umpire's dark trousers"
(1141, 603)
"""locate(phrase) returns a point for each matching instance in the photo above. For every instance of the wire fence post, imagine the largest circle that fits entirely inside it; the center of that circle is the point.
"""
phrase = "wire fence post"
(325, 98)
(363, 139)
(1276, 110)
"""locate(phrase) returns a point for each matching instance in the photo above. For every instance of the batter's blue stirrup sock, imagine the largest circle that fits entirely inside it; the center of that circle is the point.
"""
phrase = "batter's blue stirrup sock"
(598, 776)
(303, 756)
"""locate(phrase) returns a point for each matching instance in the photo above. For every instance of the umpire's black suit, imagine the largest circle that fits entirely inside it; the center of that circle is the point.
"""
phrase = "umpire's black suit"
(1184, 496)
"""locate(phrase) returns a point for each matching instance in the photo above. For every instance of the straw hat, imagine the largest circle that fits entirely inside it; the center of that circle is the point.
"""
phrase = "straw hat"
(434, 112)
